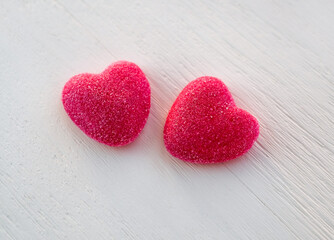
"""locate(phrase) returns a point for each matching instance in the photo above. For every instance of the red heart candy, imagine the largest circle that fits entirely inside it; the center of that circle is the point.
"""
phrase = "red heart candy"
(205, 126)
(111, 107)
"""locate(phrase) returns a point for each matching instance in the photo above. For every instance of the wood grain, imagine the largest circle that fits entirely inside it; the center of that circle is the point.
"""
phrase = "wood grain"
(276, 57)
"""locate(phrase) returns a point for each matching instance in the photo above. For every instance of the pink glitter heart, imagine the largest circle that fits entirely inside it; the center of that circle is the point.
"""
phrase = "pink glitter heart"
(111, 107)
(205, 126)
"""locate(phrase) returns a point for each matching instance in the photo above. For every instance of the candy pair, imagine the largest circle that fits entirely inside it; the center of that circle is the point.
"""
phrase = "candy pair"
(203, 126)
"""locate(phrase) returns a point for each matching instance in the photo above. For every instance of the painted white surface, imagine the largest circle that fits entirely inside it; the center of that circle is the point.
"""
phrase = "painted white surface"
(277, 58)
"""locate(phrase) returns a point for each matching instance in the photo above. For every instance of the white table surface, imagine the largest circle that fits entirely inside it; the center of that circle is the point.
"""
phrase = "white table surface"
(276, 57)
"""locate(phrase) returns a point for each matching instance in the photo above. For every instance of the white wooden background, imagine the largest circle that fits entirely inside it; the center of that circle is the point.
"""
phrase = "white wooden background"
(277, 58)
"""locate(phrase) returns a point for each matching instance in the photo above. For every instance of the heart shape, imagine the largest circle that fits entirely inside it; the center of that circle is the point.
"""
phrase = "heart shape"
(111, 107)
(205, 126)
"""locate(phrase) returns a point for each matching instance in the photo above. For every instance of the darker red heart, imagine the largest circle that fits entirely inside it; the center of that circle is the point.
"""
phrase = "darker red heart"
(205, 126)
(111, 107)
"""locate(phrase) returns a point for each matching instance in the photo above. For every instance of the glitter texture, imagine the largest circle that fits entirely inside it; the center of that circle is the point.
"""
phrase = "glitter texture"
(111, 107)
(205, 126)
